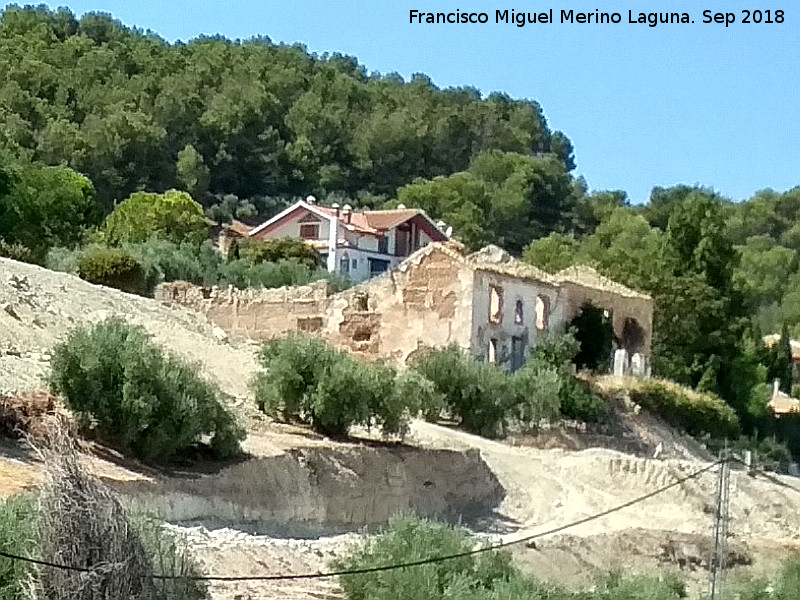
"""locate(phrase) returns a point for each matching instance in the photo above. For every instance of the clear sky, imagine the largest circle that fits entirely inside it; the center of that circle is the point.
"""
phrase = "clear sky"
(695, 103)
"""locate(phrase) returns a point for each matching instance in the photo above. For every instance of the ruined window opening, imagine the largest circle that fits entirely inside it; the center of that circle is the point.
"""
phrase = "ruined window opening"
(633, 336)
(309, 324)
(517, 353)
(362, 334)
(206, 293)
(361, 302)
(519, 315)
(542, 313)
(493, 350)
(495, 304)
(309, 231)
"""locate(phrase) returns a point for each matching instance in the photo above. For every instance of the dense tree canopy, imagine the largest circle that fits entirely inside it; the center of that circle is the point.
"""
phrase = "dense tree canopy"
(250, 118)
(44, 206)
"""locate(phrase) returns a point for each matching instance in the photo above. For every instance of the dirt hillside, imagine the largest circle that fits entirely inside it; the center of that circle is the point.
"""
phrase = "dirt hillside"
(539, 487)
(38, 307)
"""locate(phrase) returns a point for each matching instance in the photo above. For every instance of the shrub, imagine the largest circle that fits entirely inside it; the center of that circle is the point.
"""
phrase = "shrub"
(113, 267)
(485, 398)
(577, 401)
(17, 251)
(133, 396)
(257, 251)
(695, 412)
(489, 575)
(63, 259)
(25, 413)
(305, 379)
(535, 393)
(407, 539)
(16, 537)
(476, 393)
(80, 521)
(169, 261)
(580, 403)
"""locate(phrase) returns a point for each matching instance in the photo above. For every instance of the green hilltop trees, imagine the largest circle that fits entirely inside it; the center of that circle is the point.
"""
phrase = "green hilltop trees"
(172, 216)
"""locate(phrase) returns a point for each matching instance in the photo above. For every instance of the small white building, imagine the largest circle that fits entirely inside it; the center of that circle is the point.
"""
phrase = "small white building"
(358, 244)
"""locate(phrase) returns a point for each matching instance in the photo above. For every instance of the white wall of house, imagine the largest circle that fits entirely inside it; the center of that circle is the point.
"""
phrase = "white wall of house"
(292, 229)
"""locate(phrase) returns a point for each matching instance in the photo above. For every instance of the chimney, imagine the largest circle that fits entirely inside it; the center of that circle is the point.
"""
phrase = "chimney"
(776, 386)
(311, 200)
(347, 211)
(335, 206)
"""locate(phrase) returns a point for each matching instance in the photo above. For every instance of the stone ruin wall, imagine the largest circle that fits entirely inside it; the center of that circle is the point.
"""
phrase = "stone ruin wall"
(253, 314)
(424, 303)
(621, 308)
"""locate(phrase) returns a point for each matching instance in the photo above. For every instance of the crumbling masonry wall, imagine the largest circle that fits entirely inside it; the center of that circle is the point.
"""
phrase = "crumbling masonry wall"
(425, 302)
(256, 314)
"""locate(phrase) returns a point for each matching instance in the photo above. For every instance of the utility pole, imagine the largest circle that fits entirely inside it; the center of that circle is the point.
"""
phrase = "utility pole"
(721, 518)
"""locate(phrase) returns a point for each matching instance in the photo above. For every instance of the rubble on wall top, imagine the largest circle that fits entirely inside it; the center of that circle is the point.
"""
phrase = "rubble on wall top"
(496, 260)
(588, 277)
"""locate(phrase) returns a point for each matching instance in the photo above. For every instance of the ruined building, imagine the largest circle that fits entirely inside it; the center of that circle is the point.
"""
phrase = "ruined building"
(487, 303)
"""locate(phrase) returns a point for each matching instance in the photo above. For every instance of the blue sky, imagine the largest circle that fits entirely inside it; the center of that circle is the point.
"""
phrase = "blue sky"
(695, 103)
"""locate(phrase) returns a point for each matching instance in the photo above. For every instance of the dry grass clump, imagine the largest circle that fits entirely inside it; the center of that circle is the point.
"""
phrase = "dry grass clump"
(82, 524)
(24, 414)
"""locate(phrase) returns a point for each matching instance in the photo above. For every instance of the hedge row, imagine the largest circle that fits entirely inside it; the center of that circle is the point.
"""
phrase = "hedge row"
(694, 412)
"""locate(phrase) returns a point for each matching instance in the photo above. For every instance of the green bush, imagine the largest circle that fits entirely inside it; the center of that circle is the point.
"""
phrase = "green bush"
(580, 403)
(476, 393)
(113, 267)
(258, 251)
(304, 379)
(486, 399)
(577, 401)
(409, 539)
(17, 251)
(135, 397)
(16, 537)
(489, 575)
(535, 391)
(695, 412)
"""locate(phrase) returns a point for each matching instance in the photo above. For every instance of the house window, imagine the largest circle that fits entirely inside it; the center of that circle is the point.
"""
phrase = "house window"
(402, 240)
(344, 264)
(377, 266)
(542, 313)
(519, 315)
(495, 304)
(309, 231)
(383, 244)
(355, 264)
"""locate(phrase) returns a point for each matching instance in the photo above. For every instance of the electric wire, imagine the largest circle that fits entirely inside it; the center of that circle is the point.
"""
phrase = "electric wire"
(391, 567)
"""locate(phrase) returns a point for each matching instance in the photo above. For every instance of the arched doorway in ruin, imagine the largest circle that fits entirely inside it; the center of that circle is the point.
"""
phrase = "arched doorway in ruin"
(595, 334)
(633, 337)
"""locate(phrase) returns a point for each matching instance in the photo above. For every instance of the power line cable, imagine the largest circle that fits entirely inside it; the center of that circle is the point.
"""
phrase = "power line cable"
(405, 565)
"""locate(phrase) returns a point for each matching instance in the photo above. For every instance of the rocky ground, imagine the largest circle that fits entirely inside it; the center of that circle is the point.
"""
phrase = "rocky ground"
(546, 482)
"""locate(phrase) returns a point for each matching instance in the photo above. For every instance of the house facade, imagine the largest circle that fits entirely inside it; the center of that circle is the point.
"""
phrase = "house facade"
(358, 244)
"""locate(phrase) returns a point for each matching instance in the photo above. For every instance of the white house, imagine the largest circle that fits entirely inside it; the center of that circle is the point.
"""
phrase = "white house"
(359, 244)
